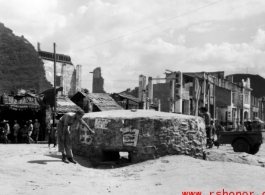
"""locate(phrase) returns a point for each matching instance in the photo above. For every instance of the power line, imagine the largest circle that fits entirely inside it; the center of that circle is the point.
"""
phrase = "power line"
(207, 5)
(112, 80)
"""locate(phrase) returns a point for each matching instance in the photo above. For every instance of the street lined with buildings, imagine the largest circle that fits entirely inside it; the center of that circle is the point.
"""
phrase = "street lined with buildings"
(132, 97)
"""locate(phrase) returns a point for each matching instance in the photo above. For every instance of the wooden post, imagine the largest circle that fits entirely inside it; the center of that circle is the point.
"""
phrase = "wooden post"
(178, 103)
(243, 102)
(140, 90)
(204, 89)
(127, 104)
(144, 91)
(150, 89)
(172, 96)
(140, 94)
(54, 108)
(214, 103)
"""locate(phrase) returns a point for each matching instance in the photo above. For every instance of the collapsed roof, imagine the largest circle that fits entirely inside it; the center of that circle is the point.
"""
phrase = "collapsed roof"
(65, 105)
(103, 101)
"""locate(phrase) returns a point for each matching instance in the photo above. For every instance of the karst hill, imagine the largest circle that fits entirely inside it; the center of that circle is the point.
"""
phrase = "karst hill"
(20, 65)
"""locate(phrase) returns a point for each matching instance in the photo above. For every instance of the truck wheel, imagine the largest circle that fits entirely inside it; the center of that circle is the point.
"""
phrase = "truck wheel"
(255, 149)
(241, 145)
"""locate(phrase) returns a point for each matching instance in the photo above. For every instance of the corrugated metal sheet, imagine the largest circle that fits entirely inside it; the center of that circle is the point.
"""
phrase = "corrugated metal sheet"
(103, 101)
(82, 93)
(65, 105)
(129, 97)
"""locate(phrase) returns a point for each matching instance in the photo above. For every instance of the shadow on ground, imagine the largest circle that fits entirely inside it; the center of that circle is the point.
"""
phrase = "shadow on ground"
(85, 162)
(89, 163)
(56, 157)
(43, 162)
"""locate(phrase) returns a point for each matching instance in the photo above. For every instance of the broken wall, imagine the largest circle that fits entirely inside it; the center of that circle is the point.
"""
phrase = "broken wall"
(161, 91)
(67, 72)
(98, 81)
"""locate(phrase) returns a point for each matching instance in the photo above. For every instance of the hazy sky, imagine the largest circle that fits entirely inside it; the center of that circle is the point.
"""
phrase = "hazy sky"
(226, 36)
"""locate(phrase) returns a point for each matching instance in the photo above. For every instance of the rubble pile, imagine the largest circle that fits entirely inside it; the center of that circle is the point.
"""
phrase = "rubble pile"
(242, 157)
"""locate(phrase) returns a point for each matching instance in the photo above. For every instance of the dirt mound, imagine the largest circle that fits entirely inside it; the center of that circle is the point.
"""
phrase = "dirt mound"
(243, 158)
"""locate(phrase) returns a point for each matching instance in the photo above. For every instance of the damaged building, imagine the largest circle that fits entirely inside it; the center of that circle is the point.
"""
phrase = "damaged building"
(98, 81)
(68, 76)
(23, 106)
(95, 102)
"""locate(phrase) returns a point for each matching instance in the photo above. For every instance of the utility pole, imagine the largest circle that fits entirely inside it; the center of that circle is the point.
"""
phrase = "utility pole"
(150, 92)
(54, 110)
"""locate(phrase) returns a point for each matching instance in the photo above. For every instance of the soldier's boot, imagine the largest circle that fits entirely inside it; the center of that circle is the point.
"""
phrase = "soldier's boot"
(71, 160)
(64, 159)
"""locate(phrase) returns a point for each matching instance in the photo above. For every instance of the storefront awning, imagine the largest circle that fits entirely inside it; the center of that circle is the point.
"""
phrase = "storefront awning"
(21, 102)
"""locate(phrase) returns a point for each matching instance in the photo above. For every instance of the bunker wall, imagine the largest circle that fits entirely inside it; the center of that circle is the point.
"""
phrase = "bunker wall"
(143, 138)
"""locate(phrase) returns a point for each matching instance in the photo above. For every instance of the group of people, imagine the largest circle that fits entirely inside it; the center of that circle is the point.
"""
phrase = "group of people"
(28, 132)
(246, 126)
(214, 127)
(25, 132)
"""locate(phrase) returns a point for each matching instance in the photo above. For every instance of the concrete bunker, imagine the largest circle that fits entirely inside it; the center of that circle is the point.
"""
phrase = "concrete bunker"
(144, 134)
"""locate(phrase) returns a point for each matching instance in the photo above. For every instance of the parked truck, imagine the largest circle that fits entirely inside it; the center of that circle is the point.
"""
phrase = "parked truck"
(243, 141)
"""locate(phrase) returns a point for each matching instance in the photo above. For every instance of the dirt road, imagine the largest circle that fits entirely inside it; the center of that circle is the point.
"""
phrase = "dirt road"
(226, 154)
(36, 169)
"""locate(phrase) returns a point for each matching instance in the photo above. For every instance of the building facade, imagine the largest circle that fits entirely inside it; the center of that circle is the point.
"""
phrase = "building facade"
(261, 108)
(68, 76)
(226, 101)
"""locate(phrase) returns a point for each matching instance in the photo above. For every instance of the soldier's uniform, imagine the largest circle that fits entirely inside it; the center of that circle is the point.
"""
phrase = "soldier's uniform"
(65, 146)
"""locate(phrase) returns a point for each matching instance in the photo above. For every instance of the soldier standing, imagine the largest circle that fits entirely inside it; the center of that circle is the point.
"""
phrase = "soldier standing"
(30, 130)
(64, 137)
(6, 131)
(36, 130)
(16, 130)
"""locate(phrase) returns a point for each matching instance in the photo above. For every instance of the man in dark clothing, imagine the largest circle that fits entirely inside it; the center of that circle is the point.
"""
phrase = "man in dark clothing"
(6, 131)
(16, 128)
(36, 130)
(249, 126)
(30, 130)
(24, 134)
(219, 128)
(207, 120)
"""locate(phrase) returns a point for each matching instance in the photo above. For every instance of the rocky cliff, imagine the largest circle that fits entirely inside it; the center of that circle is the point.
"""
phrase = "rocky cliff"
(20, 65)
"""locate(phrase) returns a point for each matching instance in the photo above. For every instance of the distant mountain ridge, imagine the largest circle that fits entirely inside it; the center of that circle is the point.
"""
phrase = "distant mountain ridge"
(257, 83)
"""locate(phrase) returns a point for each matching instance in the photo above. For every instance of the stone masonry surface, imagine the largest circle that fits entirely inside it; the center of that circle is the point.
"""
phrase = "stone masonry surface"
(145, 134)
